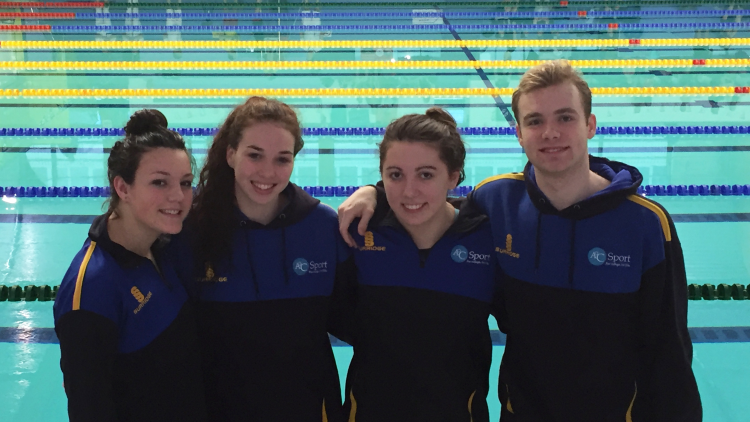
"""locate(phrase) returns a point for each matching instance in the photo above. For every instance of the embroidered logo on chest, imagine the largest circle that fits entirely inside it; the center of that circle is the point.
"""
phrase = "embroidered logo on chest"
(460, 254)
(508, 248)
(142, 300)
(598, 257)
(301, 267)
(370, 243)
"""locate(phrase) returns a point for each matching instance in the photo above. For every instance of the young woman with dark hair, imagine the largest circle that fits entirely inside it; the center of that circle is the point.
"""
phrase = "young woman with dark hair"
(422, 284)
(128, 336)
(260, 258)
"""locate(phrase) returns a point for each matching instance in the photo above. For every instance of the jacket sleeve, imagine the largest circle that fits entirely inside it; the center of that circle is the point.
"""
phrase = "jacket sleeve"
(497, 307)
(667, 382)
(343, 302)
(383, 207)
(88, 346)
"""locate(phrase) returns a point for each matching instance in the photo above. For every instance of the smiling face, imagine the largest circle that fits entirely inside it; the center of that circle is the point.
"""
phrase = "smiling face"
(160, 196)
(553, 129)
(416, 182)
(262, 164)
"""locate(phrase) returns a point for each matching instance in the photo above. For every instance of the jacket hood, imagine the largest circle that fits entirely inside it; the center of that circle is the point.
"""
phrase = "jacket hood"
(624, 179)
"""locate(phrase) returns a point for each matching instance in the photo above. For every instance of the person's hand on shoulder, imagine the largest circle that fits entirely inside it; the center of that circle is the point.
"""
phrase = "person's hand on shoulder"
(361, 204)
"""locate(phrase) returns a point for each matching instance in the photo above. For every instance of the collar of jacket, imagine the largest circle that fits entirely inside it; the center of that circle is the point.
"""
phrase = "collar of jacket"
(126, 259)
(625, 181)
(299, 206)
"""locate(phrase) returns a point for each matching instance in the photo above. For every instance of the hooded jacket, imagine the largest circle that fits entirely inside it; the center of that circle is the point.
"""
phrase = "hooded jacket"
(128, 336)
(595, 303)
(422, 346)
(264, 313)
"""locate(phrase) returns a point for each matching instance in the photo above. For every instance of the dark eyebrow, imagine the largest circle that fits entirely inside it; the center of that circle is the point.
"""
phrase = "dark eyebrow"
(161, 172)
(566, 110)
(531, 115)
(261, 150)
(190, 175)
(393, 168)
(426, 167)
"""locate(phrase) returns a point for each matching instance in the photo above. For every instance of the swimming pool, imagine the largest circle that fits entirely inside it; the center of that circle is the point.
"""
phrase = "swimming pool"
(352, 69)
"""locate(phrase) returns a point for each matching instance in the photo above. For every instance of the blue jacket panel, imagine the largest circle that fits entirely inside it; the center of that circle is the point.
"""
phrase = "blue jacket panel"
(607, 253)
(291, 262)
(459, 263)
(139, 299)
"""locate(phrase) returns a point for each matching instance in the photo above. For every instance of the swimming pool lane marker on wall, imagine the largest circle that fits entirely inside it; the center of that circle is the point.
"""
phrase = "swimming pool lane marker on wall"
(348, 44)
(365, 64)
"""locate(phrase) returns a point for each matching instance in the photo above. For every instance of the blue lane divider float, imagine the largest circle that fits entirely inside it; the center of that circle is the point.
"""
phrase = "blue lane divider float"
(406, 15)
(380, 28)
(378, 131)
(344, 191)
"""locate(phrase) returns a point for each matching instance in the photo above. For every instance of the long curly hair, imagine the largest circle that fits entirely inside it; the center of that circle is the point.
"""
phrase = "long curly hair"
(212, 217)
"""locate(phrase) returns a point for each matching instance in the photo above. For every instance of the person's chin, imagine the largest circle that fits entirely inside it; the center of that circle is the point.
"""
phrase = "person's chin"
(409, 219)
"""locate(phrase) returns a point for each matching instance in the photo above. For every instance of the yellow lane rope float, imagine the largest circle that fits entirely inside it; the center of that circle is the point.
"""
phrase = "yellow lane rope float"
(346, 92)
(321, 65)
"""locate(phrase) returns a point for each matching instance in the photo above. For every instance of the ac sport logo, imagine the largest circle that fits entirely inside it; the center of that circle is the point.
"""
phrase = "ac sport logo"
(598, 257)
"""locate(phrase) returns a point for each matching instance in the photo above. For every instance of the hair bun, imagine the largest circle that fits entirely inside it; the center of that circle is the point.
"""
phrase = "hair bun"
(145, 121)
(442, 116)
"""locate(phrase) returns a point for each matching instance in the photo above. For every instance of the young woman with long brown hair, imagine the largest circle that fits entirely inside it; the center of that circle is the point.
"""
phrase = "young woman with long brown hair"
(262, 256)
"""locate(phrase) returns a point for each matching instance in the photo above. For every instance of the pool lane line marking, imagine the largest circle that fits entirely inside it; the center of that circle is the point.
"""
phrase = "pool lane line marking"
(698, 335)
(499, 101)
(88, 219)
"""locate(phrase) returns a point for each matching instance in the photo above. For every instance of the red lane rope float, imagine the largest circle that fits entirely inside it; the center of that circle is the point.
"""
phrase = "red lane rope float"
(74, 4)
(15, 28)
(38, 15)
(62, 5)
(20, 4)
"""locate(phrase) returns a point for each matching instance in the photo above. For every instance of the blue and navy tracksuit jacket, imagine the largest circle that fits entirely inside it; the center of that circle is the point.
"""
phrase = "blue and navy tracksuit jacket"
(595, 303)
(264, 314)
(128, 336)
(422, 346)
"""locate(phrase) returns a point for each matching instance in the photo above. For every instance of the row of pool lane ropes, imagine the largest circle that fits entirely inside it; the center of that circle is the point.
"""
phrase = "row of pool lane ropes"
(379, 131)
(345, 191)
(47, 293)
